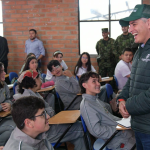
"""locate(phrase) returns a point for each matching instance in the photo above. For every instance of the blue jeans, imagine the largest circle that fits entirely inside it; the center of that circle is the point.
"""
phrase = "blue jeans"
(142, 141)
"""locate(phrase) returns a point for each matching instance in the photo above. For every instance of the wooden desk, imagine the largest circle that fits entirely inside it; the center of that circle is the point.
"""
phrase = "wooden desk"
(10, 86)
(64, 117)
(6, 75)
(120, 127)
(46, 89)
(5, 113)
(107, 80)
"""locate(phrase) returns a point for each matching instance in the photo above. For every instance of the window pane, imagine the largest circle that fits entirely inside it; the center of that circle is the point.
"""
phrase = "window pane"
(90, 33)
(1, 29)
(1, 18)
(122, 8)
(94, 9)
(115, 29)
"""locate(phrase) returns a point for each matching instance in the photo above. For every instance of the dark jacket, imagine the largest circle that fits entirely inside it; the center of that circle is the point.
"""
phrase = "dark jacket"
(3, 49)
(136, 92)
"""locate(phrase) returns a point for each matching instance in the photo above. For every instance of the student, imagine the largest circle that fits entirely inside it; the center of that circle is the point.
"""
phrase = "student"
(83, 65)
(123, 68)
(29, 85)
(98, 115)
(31, 119)
(58, 55)
(6, 125)
(66, 85)
(32, 64)
(29, 55)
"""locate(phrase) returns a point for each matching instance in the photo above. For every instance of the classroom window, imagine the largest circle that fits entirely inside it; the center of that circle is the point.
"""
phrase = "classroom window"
(1, 19)
(97, 14)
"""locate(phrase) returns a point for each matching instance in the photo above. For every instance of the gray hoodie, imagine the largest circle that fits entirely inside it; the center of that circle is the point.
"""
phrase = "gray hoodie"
(102, 124)
(21, 141)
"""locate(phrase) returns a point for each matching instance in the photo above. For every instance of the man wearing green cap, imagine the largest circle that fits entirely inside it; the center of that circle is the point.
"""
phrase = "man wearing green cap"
(134, 99)
(125, 40)
(106, 54)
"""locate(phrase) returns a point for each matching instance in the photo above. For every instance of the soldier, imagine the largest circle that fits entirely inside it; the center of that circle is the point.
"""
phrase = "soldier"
(125, 40)
(106, 54)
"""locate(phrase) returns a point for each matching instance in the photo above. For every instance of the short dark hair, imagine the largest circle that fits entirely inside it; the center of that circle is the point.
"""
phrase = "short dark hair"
(33, 30)
(26, 67)
(127, 49)
(85, 77)
(26, 107)
(53, 63)
(27, 83)
(1, 83)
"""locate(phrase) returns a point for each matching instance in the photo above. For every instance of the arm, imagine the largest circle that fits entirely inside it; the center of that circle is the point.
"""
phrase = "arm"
(42, 50)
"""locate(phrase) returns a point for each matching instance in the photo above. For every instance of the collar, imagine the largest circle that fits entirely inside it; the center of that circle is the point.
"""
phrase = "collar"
(89, 97)
(34, 40)
(21, 136)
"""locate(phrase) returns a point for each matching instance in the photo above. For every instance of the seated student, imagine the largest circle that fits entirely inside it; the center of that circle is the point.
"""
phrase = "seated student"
(32, 122)
(123, 68)
(30, 83)
(83, 65)
(58, 55)
(29, 55)
(32, 64)
(6, 125)
(97, 115)
(66, 85)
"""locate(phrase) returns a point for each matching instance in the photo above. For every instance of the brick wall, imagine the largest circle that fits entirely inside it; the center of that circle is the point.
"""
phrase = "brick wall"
(56, 22)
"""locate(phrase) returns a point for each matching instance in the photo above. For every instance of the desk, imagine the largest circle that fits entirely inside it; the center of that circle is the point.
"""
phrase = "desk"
(107, 80)
(6, 75)
(10, 86)
(46, 89)
(5, 113)
(64, 117)
(120, 127)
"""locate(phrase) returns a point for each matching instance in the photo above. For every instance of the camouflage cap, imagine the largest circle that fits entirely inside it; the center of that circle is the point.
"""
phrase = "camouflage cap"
(139, 11)
(104, 29)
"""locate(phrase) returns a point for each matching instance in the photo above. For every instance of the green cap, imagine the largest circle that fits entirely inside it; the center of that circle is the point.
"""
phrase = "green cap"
(140, 11)
(104, 29)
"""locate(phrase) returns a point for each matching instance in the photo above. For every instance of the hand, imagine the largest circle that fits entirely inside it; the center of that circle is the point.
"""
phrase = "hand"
(6, 106)
(67, 73)
(1, 147)
(122, 109)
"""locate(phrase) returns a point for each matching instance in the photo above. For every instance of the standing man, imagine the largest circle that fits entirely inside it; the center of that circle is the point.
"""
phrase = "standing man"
(4, 52)
(125, 40)
(106, 57)
(34, 45)
(134, 99)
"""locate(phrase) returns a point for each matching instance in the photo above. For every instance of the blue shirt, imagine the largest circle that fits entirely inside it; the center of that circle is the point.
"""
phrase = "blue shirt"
(35, 47)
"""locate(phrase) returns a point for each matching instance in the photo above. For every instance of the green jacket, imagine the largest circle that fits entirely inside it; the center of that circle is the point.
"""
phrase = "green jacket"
(105, 50)
(124, 41)
(136, 92)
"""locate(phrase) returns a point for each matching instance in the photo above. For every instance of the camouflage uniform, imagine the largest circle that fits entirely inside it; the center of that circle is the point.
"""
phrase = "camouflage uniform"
(106, 58)
(124, 41)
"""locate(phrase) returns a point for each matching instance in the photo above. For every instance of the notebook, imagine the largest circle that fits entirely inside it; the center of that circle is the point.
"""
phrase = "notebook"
(125, 122)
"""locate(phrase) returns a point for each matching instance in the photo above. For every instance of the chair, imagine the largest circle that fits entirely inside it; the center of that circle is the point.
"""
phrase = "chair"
(43, 76)
(12, 75)
(59, 101)
(109, 91)
(77, 77)
(14, 86)
(116, 81)
(86, 134)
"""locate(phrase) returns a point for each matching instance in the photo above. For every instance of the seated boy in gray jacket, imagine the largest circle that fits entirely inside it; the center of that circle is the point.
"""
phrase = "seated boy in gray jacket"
(32, 121)
(98, 117)
(66, 85)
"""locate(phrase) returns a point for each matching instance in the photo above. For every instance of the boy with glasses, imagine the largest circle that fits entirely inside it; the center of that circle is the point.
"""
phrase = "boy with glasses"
(66, 85)
(32, 122)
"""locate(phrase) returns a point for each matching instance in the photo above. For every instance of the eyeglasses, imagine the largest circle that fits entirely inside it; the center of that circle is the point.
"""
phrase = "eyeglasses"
(84, 58)
(55, 68)
(44, 114)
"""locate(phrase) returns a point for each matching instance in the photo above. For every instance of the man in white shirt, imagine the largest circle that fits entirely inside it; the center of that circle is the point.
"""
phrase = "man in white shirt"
(123, 68)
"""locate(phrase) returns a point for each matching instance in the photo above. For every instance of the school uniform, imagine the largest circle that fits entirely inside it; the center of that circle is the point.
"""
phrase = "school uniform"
(21, 141)
(6, 125)
(102, 124)
(68, 88)
(75, 133)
